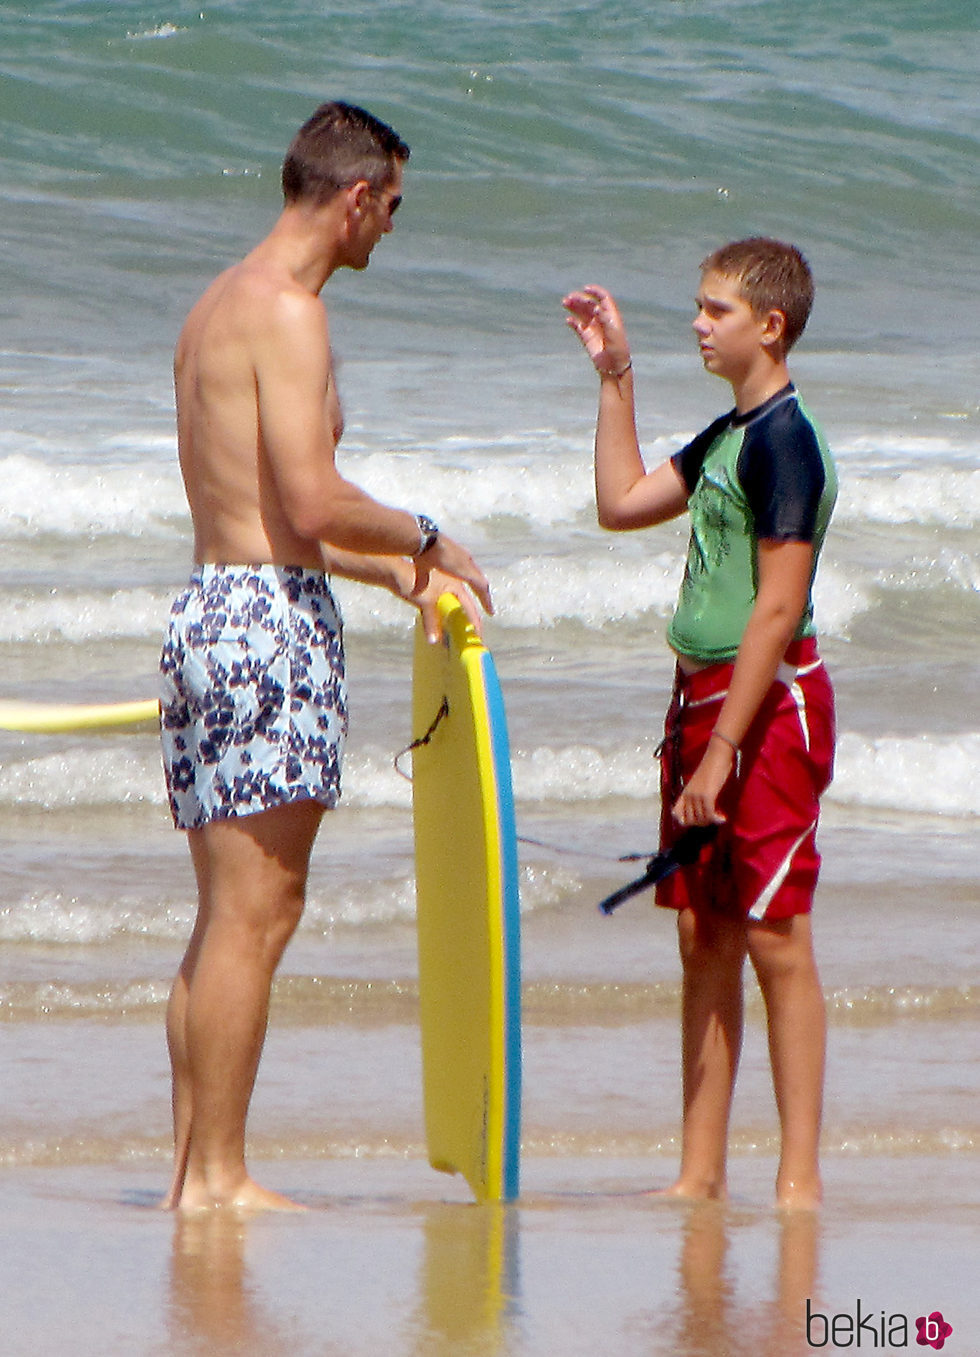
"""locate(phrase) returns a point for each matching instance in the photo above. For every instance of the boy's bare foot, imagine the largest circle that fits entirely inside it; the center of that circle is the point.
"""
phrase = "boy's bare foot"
(681, 1191)
(804, 1194)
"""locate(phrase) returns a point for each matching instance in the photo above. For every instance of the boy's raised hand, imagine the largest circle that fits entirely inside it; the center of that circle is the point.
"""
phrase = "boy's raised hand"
(595, 318)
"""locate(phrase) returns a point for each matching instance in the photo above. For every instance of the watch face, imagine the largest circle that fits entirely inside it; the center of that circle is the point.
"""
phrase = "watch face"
(428, 532)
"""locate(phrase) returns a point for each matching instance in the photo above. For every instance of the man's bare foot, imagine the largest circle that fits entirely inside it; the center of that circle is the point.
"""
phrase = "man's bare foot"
(246, 1196)
(251, 1197)
(171, 1199)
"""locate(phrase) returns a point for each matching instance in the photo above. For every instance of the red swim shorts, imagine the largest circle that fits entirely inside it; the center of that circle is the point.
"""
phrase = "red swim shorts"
(763, 863)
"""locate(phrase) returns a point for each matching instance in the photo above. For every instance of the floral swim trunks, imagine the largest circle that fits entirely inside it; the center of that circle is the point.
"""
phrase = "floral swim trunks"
(252, 692)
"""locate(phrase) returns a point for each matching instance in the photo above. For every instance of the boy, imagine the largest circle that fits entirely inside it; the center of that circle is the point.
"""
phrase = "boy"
(749, 735)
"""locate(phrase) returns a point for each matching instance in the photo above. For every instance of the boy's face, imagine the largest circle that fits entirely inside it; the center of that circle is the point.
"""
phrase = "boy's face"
(731, 336)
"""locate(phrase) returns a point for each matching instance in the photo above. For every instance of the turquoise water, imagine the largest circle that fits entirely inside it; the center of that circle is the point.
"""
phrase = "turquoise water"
(574, 143)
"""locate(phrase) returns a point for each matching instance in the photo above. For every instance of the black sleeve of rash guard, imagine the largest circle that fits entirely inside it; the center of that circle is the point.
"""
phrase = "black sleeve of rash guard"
(690, 459)
(782, 473)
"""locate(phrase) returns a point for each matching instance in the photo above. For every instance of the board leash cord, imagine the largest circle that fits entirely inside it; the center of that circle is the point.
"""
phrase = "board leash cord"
(659, 865)
(683, 852)
(440, 715)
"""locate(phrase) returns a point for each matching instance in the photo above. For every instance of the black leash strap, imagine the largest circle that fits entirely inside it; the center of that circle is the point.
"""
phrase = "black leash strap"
(681, 854)
(566, 851)
(423, 739)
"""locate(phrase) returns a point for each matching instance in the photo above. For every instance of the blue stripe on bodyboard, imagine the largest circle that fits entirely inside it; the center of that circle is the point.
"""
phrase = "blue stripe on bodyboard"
(511, 922)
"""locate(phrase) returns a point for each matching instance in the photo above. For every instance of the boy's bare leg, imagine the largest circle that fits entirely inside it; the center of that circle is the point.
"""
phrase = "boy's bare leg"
(712, 948)
(251, 880)
(782, 954)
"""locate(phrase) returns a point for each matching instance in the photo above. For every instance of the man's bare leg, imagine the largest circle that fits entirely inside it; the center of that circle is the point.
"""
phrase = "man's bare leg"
(180, 1082)
(782, 954)
(712, 949)
(252, 875)
(181, 1097)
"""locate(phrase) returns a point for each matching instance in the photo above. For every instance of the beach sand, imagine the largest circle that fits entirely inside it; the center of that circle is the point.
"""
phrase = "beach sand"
(392, 1258)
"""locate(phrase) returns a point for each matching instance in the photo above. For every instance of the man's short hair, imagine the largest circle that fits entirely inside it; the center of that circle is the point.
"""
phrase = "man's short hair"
(771, 276)
(337, 147)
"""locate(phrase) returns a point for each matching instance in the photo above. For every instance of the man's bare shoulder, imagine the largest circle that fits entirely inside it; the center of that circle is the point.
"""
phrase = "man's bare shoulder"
(253, 295)
(256, 310)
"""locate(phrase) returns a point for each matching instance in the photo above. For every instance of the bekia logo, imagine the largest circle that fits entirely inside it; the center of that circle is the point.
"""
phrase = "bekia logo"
(870, 1329)
(933, 1329)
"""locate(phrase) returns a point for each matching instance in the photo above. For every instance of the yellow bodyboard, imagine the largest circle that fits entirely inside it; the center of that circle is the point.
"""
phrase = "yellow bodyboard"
(468, 910)
(52, 718)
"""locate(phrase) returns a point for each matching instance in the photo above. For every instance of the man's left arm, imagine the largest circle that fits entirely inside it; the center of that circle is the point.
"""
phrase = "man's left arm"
(784, 584)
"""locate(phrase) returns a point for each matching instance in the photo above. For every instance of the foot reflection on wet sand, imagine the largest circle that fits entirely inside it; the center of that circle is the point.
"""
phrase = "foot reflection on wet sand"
(710, 1320)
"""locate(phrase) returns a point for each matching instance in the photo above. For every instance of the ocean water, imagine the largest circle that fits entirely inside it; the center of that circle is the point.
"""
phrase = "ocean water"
(574, 143)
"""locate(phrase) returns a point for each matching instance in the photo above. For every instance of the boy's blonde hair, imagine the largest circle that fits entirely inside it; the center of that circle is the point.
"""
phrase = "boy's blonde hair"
(771, 276)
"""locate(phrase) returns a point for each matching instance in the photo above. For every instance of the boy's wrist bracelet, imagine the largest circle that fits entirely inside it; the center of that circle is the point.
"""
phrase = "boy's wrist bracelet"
(607, 372)
(730, 742)
(733, 746)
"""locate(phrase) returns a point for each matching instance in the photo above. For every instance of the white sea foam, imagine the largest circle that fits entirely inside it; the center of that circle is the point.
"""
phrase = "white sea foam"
(838, 598)
(61, 615)
(946, 567)
(164, 30)
(927, 774)
(66, 999)
(86, 501)
(54, 917)
(944, 496)
(127, 772)
(545, 489)
(370, 779)
(541, 591)
(584, 773)
(592, 589)
(466, 483)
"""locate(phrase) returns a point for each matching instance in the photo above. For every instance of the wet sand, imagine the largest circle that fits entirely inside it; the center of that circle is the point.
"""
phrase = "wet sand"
(392, 1258)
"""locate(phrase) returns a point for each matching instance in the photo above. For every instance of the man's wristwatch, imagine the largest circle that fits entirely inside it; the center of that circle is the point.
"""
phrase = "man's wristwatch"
(428, 533)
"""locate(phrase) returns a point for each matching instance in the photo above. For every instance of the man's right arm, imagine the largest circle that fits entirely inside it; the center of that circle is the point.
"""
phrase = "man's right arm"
(292, 373)
(292, 368)
(403, 578)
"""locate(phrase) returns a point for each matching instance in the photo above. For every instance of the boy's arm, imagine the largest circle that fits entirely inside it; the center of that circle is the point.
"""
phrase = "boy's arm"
(784, 582)
(627, 495)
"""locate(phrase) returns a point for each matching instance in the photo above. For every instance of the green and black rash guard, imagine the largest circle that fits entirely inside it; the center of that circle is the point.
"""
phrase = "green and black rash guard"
(766, 475)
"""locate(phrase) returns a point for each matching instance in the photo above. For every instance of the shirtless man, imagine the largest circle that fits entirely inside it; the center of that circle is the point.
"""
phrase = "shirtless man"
(253, 697)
